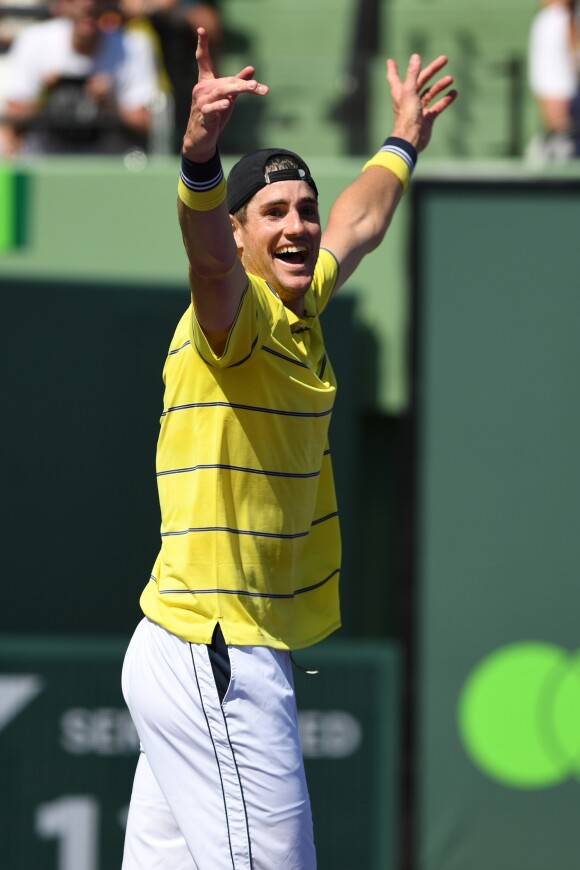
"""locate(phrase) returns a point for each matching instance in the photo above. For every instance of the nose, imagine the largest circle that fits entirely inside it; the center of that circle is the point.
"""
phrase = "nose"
(294, 223)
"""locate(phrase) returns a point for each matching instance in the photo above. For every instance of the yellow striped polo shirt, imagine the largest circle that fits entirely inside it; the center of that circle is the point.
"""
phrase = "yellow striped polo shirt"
(249, 523)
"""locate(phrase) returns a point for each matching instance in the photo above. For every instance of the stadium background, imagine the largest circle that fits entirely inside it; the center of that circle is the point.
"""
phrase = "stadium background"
(442, 733)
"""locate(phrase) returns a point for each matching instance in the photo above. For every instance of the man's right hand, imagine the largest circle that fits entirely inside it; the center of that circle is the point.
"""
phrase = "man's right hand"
(212, 102)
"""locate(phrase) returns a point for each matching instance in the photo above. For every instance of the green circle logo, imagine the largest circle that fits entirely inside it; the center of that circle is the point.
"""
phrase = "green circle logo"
(519, 715)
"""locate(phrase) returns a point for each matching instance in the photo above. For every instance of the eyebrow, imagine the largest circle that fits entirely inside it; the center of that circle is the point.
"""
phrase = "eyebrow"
(281, 201)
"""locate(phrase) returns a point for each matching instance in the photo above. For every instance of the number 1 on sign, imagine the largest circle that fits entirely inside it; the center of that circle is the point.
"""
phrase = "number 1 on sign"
(74, 821)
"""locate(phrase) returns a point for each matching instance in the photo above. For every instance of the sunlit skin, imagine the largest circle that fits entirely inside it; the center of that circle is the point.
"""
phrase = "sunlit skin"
(357, 221)
(280, 239)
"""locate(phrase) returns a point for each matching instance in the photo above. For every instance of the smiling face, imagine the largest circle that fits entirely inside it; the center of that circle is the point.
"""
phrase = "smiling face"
(279, 239)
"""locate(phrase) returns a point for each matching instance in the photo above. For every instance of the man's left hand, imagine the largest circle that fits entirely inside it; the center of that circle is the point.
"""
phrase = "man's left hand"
(412, 98)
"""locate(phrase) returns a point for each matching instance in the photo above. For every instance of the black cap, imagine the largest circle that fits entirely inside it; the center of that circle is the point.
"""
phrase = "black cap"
(248, 177)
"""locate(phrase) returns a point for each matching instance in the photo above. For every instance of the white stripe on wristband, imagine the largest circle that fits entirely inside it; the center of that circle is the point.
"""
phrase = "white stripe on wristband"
(402, 148)
(202, 186)
(398, 156)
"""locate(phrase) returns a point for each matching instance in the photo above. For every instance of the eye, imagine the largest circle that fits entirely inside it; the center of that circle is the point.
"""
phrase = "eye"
(274, 212)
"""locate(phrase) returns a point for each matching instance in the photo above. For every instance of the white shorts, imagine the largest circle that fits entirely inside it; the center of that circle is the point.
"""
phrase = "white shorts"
(219, 785)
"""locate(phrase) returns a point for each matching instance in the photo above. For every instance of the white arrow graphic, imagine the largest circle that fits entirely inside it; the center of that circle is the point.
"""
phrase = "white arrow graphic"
(16, 692)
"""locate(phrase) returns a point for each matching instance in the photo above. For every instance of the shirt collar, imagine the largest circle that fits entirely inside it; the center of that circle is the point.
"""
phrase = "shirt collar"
(299, 324)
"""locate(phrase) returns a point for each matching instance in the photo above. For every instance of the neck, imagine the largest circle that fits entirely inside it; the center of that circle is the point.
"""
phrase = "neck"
(294, 303)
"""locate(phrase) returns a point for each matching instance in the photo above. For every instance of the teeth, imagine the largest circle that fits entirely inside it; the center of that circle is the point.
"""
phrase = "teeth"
(291, 249)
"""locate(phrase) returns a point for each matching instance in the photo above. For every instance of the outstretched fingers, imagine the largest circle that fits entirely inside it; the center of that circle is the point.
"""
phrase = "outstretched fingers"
(225, 90)
(431, 69)
(246, 73)
(393, 76)
(396, 84)
(413, 72)
(430, 93)
(206, 69)
(217, 94)
(438, 107)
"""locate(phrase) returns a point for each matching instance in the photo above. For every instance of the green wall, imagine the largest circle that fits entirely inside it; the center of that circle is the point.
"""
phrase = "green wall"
(496, 554)
(486, 43)
(307, 53)
(483, 579)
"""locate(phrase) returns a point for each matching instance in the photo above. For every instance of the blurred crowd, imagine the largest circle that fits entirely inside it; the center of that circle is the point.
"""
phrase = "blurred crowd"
(554, 65)
(98, 76)
(109, 76)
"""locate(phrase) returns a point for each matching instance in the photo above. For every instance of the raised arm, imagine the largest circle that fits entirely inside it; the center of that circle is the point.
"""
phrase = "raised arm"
(361, 214)
(217, 278)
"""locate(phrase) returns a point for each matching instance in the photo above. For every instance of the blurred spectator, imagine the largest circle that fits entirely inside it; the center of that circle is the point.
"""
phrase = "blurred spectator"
(175, 23)
(553, 77)
(15, 15)
(79, 83)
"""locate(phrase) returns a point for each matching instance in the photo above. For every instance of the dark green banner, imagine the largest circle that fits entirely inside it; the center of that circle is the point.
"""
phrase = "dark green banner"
(497, 413)
(68, 750)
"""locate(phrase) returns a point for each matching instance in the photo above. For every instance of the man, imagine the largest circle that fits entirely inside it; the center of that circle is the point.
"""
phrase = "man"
(79, 83)
(250, 557)
(553, 73)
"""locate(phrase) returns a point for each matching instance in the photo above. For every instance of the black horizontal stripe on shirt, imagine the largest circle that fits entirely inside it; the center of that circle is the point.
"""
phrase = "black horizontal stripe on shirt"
(245, 358)
(323, 366)
(323, 519)
(177, 349)
(239, 407)
(281, 535)
(265, 472)
(247, 593)
(231, 365)
(231, 530)
(283, 356)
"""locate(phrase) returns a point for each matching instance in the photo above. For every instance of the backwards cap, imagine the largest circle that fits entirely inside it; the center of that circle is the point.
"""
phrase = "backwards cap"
(247, 177)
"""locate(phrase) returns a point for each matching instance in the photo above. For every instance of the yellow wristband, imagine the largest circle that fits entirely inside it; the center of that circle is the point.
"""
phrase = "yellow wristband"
(202, 200)
(395, 164)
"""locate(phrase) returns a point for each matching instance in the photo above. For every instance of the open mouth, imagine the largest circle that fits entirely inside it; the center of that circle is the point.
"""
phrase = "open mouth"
(295, 256)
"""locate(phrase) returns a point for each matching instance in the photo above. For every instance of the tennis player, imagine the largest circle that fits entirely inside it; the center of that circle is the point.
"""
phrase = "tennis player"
(249, 563)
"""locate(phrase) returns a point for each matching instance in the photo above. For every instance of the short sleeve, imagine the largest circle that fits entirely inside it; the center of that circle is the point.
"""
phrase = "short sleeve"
(248, 331)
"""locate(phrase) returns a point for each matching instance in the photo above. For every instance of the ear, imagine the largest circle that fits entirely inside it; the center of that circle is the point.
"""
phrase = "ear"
(237, 230)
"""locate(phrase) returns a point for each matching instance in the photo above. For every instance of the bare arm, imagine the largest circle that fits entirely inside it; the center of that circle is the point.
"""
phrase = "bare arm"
(555, 114)
(362, 213)
(217, 278)
(17, 110)
(17, 115)
(138, 119)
